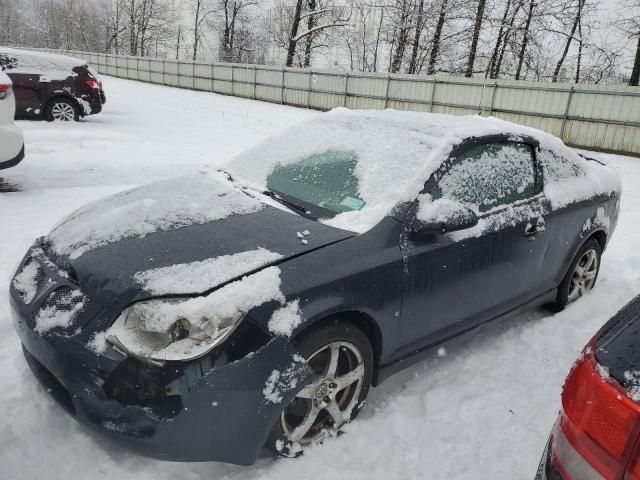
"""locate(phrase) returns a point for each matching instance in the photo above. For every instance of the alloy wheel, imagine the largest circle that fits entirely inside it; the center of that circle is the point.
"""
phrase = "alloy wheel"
(63, 112)
(327, 403)
(584, 275)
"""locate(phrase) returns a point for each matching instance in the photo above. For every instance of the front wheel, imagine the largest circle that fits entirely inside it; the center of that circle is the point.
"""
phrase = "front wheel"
(582, 275)
(341, 357)
(62, 110)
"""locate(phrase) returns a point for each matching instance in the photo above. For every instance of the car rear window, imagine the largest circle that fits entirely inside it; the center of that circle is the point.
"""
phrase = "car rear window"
(618, 349)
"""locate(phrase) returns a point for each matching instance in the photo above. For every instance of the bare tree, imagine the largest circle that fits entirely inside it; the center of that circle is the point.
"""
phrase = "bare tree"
(475, 38)
(570, 37)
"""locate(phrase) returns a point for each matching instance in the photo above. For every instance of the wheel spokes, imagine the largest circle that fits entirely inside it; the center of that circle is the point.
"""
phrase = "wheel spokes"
(353, 376)
(334, 355)
(336, 414)
(301, 430)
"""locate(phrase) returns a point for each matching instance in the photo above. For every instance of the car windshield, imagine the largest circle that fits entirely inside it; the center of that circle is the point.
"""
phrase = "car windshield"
(326, 181)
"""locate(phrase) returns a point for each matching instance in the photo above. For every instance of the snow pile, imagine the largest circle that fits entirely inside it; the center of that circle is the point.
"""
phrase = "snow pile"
(166, 205)
(285, 320)
(50, 67)
(197, 277)
(396, 153)
(98, 343)
(633, 380)
(61, 313)
(281, 382)
(26, 281)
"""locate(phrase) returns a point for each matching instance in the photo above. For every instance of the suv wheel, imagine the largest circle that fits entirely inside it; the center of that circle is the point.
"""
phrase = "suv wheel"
(62, 110)
(341, 356)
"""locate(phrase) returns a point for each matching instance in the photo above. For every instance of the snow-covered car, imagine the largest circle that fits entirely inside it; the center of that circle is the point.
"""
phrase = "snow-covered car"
(11, 141)
(53, 87)
(205, 317)
(597, 435)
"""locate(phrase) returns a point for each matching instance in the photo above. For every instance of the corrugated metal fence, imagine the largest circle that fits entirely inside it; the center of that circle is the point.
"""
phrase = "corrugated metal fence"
(589, 116)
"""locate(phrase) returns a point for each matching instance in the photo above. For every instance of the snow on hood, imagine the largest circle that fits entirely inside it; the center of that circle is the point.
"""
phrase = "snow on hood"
(161, 206)
(396, 153)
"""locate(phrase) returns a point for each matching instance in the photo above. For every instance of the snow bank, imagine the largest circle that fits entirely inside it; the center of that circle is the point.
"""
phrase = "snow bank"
(161, 206)
(197, 277)
(396, 153)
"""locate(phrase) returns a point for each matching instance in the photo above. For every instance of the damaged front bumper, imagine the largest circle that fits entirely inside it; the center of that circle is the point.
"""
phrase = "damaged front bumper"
(220, 407)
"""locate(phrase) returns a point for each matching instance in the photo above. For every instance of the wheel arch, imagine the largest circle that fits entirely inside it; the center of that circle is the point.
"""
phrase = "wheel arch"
(363, 321)
(600, 235)
(67, 96)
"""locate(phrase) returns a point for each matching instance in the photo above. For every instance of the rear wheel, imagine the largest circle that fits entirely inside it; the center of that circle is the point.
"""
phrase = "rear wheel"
(62, 110)
(340, 355)
(582, 275)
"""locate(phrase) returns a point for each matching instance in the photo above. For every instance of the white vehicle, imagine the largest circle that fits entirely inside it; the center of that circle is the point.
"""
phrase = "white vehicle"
(11, 140)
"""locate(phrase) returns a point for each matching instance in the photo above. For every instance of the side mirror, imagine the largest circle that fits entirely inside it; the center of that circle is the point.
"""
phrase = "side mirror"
(442, 216)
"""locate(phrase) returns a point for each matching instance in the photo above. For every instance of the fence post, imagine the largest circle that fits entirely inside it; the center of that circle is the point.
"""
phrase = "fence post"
(193, 76)
(164, 69)
(255, 80)
(566, 114)
(386, 95)
(309, 88)
(233, 80)
(493, 98)
(346, 89)
(433, 94)
(282, 91)
(213, 77)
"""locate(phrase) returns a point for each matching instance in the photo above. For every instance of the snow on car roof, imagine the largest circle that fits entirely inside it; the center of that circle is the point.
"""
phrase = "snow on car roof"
(396, 152)
(41, 62)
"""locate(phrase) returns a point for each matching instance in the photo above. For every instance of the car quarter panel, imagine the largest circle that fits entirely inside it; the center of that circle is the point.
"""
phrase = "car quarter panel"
(361, 274)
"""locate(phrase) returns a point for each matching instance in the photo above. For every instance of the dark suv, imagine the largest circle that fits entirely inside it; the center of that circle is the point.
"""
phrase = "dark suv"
(53, 87)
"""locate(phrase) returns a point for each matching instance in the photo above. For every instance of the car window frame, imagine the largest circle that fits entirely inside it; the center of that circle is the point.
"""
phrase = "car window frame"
(468, 144)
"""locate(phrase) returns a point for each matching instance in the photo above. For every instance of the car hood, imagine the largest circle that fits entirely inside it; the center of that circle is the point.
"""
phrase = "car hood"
(191, 256)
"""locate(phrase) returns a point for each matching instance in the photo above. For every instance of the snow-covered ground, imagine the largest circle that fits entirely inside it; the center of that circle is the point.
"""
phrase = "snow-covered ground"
(482, 410)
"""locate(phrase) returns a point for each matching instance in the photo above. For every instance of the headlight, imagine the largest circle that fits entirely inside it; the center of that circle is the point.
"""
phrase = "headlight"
(161, 330)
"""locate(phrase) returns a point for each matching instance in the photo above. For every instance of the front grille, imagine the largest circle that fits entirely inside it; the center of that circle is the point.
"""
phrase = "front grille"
(60, 309)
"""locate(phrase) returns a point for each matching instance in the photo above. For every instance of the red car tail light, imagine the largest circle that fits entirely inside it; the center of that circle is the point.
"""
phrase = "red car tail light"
(598, 424)
(5, 90)
(94, 84)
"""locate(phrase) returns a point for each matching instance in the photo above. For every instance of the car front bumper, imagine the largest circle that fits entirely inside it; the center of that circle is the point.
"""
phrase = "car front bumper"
(223, 413)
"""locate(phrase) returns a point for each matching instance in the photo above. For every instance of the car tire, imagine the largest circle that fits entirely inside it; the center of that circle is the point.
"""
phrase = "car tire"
(581, 276)
(62, 110)
(354, 361)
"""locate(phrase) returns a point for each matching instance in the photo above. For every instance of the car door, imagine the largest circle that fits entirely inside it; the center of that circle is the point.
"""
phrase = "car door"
(26, 83)
(457, 280)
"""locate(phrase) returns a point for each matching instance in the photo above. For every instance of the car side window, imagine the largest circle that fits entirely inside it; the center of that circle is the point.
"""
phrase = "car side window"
(489, 175)
(7, 62)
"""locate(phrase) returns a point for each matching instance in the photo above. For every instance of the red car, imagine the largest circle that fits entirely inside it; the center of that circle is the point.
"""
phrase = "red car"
(597, 435)
(53, 87)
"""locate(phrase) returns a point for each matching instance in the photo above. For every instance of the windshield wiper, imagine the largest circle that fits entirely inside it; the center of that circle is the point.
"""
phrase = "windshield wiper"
(288, 203)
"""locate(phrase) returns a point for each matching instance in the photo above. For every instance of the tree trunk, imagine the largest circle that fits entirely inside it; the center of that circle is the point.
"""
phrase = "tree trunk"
(556, 72)
(580, 47)
(635, 74)
(525, 38)
(496, 49)
(403, 38)
(295, 24)
(311, 23)
(476, 36)
(196, 30)
(416, 38)
(435, 42)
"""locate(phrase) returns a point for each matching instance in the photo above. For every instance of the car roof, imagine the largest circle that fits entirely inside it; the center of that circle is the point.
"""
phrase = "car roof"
(396, 151)
(37, 62)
